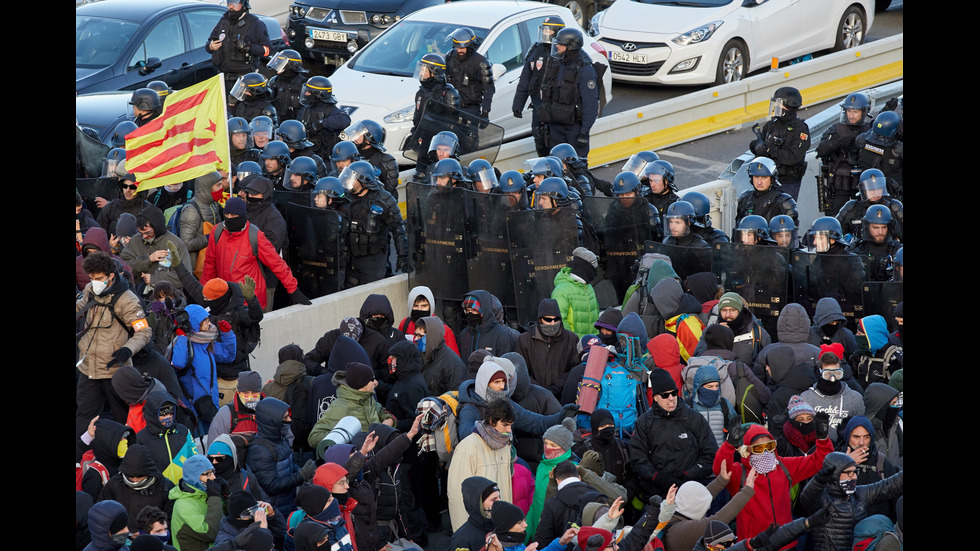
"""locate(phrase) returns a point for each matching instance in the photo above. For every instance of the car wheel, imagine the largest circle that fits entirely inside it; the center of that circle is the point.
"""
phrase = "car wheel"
(733, 63)
(580, 10)
(850, 32)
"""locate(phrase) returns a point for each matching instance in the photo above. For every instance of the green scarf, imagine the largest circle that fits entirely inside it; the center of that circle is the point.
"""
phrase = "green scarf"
(541, 478)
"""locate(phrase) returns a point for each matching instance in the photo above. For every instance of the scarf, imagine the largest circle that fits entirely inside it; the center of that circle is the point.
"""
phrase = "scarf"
(493, 439)
(204, 337)
(802, 442)
(541, 478)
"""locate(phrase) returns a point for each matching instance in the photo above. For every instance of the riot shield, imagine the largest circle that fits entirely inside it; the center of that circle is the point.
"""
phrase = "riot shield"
(541, 244)
(686, 261)
(89, 154)
(881, 297)
(316, 249)
(488, 249)
(757, 273)
(90, 188)
(478, 138)
(824, 275)
(615, 229)
(436, 239)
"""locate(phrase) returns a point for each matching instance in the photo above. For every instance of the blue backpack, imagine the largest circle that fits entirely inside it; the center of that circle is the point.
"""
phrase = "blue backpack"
(620, 393)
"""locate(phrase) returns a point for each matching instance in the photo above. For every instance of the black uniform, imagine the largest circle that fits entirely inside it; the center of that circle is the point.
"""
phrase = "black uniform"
(785, 140)
(435, 89)
(388, 166)
(472, 77)
(529, 86)
(286, 88)
(244, 40)
(690, 240)
(322, 169)
(663, 200)
(851, 216)
(767, 204)
(253, 105)
(239, 156)
(711, 235)
(323, 122)
(885, 154)
(882, 256)
(839, 154)
(373, 216)
(570, 94)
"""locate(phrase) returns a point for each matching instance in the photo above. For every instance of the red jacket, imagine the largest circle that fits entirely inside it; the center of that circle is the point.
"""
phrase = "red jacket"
(666, 354)
(758, 513)
(231, 259)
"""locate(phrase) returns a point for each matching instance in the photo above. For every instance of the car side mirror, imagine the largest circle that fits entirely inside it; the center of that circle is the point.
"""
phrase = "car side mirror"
(148, 66)
(498, 71)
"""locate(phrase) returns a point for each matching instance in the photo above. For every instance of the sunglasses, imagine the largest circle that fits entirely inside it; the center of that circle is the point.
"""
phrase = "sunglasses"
(763, 448)
(669, 394)
(551, 319)
(129, 186)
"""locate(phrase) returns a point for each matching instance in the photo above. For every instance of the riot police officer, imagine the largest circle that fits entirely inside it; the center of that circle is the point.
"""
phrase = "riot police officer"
(374, 215)
(162, 89)
(679, 219)
(471, 74)
(286, 85)
(276, 158)
(785, 139)
(577, 168)
(825, 236)
(146, 105)
(767, 199)
(840, 169)
(782, 230)
(369, 137)
(343, 154)
(240, 142)
(873, 188)
(263, 131)
(536, 64)
(879, 148)
(624, 187)
(570, 92)
(443, 145)
(702, 219)
(431, 74)
(658, 180)
(876, 242)
(320, 115)
(512, 184)
(293, 134)
(238, 42)
(553, 193)
(117, 138)
(449, 173)
(753, 230)
(482, 175)
(300, 174)
(253, 98)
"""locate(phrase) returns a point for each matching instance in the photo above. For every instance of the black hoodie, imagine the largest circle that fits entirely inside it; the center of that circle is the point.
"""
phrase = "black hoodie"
(409, 387)
(153, 435)
(139, 463)
(108, 434)
(263, 213)
(473, 533)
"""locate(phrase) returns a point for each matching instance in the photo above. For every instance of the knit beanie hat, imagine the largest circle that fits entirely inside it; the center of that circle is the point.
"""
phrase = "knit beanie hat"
(119, 522)
(126, 225)
(312, 498)
(584, 264)
(249, 381)
(239, 502)
(505, 515)
(235, 206)
(661, 381)
(591, 538)
(488, 491)
(215, 288)
(351, 328)
(835, 347)
(693, 500)
(719, 337)
(798, 405)
(561, 434)
(730, 300)
(328, 474)
(717, 533)
(359, 375)
(498, 376)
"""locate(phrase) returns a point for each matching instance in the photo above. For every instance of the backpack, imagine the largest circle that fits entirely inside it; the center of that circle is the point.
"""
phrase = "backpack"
(244, 440)
(439, 424)
(621, 394)
(89, 462)
(172, 216)
(298, 397)
(721, 366)
(747, 404)
(872, 369)
(253, 236)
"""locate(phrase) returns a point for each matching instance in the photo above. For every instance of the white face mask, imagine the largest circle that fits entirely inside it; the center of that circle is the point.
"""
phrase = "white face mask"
(99, 286)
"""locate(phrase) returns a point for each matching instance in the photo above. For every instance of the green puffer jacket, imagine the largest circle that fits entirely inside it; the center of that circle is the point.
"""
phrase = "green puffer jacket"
(195, 519)
(349, 401)
(577, 302)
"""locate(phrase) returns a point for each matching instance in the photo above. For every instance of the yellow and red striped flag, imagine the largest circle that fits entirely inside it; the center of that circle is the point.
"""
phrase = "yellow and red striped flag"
(189, 139)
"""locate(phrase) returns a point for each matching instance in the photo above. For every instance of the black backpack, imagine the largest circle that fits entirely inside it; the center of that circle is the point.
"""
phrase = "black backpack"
(298, 397)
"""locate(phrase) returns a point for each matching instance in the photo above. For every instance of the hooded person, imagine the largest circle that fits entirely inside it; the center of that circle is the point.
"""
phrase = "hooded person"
(831, 395)
(270, 457)
(857, 439)
(787, 378)
(771, 502)
(693, 500)
(197, 498)
(243, 512)
(606, 325)
(133, 387)
(750, 392)
(323, 390)
(474, 362)
(535, 399)
(146, 253)
(108, 525)
(482, 330)
(238, 415)
(83, 504)
(293, 385)
(167, 440)
(376, 314)
(876, 358)
(327, 535)
(290, 370)
(793, 330)
(750, 337)
(704, 287)
(478, 495)
(830, 326)
(138, 484)
(642, 303)
(421, 304)
(613, 449)
(227, 456)
(355, 397)
(708, 400)
(665, 353)
(195, 357)
(836, 486)
(577, 304)
(408, 387)
(374, 344)
(442, 368)
(549, 348)
(680, 313)
(97, 239)
(883, 406)
(108, 441)
(199, 216)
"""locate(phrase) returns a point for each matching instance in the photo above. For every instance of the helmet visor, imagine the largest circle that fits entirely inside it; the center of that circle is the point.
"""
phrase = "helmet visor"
(873, 189)
(635, 164)
(777, 108)
(348, 178)
(278, 62)
(354, 132)
(547, 32)
(238, 90)
(444, 141)
(485, 179)
(538, 166)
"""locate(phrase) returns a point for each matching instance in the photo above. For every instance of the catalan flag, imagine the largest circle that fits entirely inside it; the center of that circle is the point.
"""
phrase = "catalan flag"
(189, 139)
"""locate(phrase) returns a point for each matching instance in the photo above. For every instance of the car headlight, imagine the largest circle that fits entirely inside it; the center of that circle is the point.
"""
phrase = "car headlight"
(699, 34)
(297, 11)
(594, 24)
(402, 115)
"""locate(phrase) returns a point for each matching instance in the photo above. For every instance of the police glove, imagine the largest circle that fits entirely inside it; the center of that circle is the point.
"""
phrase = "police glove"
(758, 147)
(891, 105)
(174, 254)
(821, 425)
(405, 265)
(248, 287)
(582, 139)
(308, 470)
(297, 297)
(120, 357)
(518, 114)
(243, 45)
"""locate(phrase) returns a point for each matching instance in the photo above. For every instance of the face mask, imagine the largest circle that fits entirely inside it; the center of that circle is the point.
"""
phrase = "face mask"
(420, 342)
(829, 329)
(708, 397)
(418, 314)
(606, 435)
(511, 537)
(764, 463)
(341, 498)
(474, 320)
(804, 428)
(849, 485)
(550, 329)
(251, 404)
(121, 539)
(224, 467)
(218, 196)
(828, 388)
(235, 224)
(285, 430)
(551, 453)
(163, 536)
(98, 287)
(378, 324)
(610, 339)
(167, 420)
(862, 342)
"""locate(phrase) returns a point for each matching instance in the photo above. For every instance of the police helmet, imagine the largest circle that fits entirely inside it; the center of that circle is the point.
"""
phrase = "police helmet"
(447, 168)
(286, 59)
(330, 188)
(755, 225)
(702, 208)
(263, 124)
(316, 88)
(638, 160)
(625, 182)
(442, 139)
(146, 99)
(783, 223)
(538, 166)
(511, 181)
(358, 171)
(570, 38)
(269, 111)
(899, 257)
(553, 187)
(372, 132)
(463, 37)
(481, 172)
(682, 210)
(557, 169)
(276, 150)
(345, 151)
(247, 168)
(663, 168)
(118, 138)
(827, 226)
(434, 63)
(855, 100)
(251, 84)
(565, 152)
(873, 185)
(549, 28)
(762, 166)
(886, 124)
(162, 88)
(293, 133)
(305, 168)
(785, 101)
(111, 160)
(238, 125)
(876, 214)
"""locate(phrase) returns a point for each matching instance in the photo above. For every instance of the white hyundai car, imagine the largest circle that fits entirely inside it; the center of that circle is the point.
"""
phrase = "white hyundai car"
(377, 83)
(694, 42)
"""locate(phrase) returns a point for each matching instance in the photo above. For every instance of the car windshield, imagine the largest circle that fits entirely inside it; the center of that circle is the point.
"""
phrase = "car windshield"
(688, 3)
(399, 50)
(100, 41)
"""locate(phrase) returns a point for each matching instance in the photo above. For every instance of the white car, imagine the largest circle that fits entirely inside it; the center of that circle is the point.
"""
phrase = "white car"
(693, 42)
(378, 84)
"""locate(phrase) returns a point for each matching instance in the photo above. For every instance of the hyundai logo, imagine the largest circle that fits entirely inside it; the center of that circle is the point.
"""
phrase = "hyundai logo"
(629, 47)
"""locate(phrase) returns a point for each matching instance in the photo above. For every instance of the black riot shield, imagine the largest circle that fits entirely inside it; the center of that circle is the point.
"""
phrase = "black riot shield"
(282, 198)
(316, 250)
(881, 297)
(436, 239)
(89, 154)
(823, 275)
(488, 249)
(686, 261)
(478, 138)
(541, 244)
(757, 273)
(90, 188)
(615, 229)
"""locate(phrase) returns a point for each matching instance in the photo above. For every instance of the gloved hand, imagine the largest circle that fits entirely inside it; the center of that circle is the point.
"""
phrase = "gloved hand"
(308, 470)
(218, 488)
(518, 114)
(821, 425)
(826, 475)
(297, 297)
(405, 265)
(486, 122)
(592, 460)
(758, 147)
(582, 139)
(819, 518)
(224, 326)
(762, 538)
(243, 45)
(174, 254)
(891, 104)
(243, 538)
(736, 431)
(248, 287)
(569, 410)
(120, 357)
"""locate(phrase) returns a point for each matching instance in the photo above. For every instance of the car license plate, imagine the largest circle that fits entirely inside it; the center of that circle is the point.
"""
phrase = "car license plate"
(626, 57)
(332, 36)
